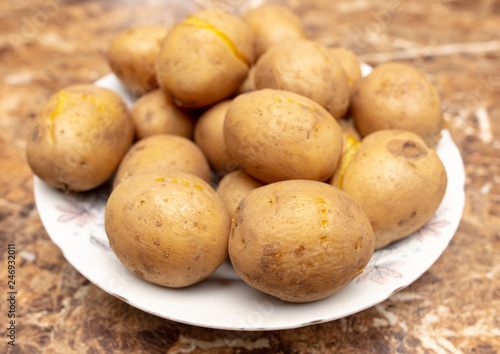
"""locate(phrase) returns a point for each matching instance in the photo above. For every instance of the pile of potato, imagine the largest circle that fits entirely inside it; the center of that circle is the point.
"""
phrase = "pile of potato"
(305, 196)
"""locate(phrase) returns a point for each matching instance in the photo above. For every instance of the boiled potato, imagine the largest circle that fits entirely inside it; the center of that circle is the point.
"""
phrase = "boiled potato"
(398, 96)
(278, 135)
(398, 180)
(299, 240)
(272, 24)
(209, 135)
(132, 56)
(79, 137)
(306, 68)
(233, 187)
(169, 228)
(160, 153)
(205, 58)
(350, 63)
(156, 113)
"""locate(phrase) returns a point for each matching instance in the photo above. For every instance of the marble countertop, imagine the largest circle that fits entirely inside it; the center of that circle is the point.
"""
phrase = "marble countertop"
(454, 307)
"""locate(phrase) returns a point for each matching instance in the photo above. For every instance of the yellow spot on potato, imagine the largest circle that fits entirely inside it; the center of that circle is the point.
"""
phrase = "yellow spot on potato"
(321, 200)
(323, 211)
(196, 22)
(197, 186)
(324, 222)
(346, 159)
(323, 240)
(61, 106)
(175, 181)
(159, 179)
(186, 183)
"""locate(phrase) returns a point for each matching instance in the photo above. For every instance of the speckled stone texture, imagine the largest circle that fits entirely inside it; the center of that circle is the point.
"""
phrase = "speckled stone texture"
(454, 307)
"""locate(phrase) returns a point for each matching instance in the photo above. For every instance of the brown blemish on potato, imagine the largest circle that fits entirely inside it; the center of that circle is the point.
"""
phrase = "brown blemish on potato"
(139, 273)
(166, 255)
(323, 240)
(159, 223)
(36, 133)
(157, 242)
(299, 251)
(409, 149)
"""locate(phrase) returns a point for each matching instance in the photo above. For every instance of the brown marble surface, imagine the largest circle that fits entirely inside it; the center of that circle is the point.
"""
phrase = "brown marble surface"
(454, 307)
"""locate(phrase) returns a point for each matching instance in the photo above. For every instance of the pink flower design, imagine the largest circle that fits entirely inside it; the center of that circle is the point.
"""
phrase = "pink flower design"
(75, 212)
(432, 228)
(380, 273)
(96, 242)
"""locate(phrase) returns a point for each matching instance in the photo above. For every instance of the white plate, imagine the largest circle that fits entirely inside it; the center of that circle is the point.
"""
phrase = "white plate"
(75, 222)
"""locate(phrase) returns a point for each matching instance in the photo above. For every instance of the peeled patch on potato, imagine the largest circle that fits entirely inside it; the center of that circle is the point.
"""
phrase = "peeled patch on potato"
(78, 139)
(132, 56)
(205, 58)
(278, 135)
(398, 96)
(398, 180)
(170, 229)
(156, 113)
(161, 153)
(299, 240)
(307, 68)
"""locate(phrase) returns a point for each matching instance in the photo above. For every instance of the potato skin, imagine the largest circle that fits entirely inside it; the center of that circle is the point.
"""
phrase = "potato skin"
(78, 139)
(350, 63)
(156, 113)
(233, 187)
(205, 58)
(398, 96)
(305, 67)
(278, 135)
(414, 183)
(170, 229)
(299, 240)
(132, 57)
(272, 24)
(160, 153)
(209, 135)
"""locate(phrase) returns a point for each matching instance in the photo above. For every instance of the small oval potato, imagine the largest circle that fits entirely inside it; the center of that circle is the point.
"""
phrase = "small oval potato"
(205, 58)
(278, 135)
(160, 153)
(397, 180)
(79, 137)
(299, 240)
(398, 96)
(305, 67)
(156, 113)
(350, 63)
(132, 57)
(233, 187)
(273, 24)
(209, 135)
(170, 229)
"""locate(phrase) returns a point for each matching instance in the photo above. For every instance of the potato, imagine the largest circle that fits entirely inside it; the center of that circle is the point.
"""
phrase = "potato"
(350, 63)
(299, 240)
(233, 187)
(160, 153)
(209, 135)
(306, 68)
(398, 180)
(156, 113)
(398, 96)
(205, 58)
(249, 83)
(278, 135)
(170, 229)
(132, 56)
(78, 139)
(272, 24)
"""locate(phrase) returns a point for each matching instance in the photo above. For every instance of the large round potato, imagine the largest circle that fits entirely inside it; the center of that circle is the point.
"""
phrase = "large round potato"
(205, 58)
(272, 24)
(299, 240)
(156, 113)
(160, 153)
(78, 139)
(278, 135)
(209, 135)
(170, 228)
(398, 96)
(305, 67)
(397, 180)
(235, 186)
(132, 56)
